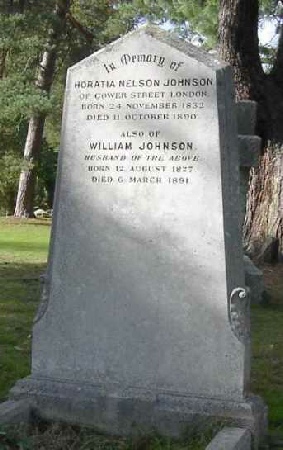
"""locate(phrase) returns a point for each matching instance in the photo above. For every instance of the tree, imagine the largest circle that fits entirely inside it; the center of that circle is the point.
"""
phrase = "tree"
(238, 45)
(18, 55)
(24, 202)
(22, 28)
(83, 25)
(89, 24)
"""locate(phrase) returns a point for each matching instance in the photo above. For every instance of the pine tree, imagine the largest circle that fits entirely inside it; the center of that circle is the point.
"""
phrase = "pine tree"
(25, 197)
(74, 30)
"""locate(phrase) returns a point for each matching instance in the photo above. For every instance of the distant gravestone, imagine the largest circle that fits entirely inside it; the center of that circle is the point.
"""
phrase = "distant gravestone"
(145, 318)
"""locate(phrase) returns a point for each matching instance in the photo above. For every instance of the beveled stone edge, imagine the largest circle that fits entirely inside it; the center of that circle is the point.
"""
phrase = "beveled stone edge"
(169, 414)
(246, 111)
(231, 439)
(15, 411)
(249, 150)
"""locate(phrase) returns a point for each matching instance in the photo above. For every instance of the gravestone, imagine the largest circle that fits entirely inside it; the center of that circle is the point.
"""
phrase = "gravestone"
(249, 150)
(144, 319)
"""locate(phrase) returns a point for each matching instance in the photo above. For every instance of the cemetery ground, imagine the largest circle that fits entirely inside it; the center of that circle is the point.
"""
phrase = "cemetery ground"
(24, 245)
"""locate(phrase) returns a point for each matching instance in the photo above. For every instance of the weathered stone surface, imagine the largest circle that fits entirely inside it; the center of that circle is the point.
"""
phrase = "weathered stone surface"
(144, 315)
(231, 439)
(131, 410)
(254, 280)
(12, 412)
(249, 148)
(246, 117)
(244, 187)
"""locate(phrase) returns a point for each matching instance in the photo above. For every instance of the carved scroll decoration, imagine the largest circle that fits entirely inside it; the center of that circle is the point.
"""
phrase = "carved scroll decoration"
(238, 312)
(45, 287)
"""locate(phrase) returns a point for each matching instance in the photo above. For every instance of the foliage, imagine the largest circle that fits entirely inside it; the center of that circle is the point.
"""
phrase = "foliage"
(46, 176)
(201, 15)
(21, 37)
(187, 17)
(9, 169)
(24, 32)
(267, 6)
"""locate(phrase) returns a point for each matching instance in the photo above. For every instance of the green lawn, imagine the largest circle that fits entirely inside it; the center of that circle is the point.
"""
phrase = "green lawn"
(23, 254)
(267, 340)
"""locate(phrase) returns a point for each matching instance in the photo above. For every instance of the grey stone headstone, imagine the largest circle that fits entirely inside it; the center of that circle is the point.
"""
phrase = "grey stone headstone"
(249, 148)
(246, 112)
(254, 280)
(145, 314)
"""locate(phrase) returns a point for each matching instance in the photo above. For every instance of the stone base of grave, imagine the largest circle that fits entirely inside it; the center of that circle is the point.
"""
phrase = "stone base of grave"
(14, 412)
(231, 439)
(126, 411)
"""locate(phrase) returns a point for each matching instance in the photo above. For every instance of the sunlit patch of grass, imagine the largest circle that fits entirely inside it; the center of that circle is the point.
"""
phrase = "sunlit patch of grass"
(23, 240)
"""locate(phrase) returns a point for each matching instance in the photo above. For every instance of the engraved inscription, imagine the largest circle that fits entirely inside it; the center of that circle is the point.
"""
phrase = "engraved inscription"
(136, 109)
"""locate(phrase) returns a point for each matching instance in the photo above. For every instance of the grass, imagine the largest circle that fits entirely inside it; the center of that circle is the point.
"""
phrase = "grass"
(59, 436)
(267, 345)
(23, 253)
(23, 248)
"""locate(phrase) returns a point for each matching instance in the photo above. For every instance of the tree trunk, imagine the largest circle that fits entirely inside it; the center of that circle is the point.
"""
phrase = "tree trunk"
(238, 45)
(24, 203)
(22, 6)
(27, 180)
(3, 54)
(264, 218)
(12, 7)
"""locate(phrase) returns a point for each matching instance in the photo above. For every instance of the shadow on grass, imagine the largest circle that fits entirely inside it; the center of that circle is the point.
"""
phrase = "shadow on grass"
(20, 293)
(267, 346)
(59, 436)
(10, 271)
(15, 246)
